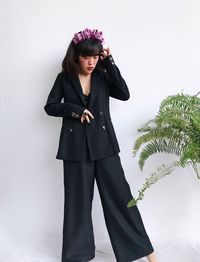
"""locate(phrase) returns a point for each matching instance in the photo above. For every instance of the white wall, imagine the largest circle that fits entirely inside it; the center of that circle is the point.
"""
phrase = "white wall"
(156, 46)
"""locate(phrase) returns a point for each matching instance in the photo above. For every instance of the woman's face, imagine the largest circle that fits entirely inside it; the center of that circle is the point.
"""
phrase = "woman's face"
(88, 63)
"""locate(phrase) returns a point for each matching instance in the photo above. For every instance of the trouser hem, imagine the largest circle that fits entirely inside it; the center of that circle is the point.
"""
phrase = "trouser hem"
(138, 256)
(85, 259)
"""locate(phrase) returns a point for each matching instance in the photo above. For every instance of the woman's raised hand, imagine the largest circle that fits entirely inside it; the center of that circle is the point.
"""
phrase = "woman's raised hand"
(85, 116)
(105, 52)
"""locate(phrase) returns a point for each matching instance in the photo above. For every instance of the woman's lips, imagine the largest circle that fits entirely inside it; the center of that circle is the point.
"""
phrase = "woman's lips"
(90, 68)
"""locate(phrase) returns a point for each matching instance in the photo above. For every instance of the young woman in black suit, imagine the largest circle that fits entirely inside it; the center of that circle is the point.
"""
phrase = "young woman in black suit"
(89, 149)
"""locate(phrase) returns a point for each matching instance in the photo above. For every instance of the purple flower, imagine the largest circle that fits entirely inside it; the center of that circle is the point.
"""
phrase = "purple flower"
(87, 34)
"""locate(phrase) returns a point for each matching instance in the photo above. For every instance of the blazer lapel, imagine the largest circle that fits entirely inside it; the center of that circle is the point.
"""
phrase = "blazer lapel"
(76, 83)
(94, 86)
(93, 90)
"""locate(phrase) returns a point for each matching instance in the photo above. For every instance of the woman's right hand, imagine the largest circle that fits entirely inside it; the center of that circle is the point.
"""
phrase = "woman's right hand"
(85, 116)
(105, 52)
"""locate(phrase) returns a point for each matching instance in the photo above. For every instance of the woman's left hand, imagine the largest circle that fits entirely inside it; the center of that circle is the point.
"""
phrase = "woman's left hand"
(106, 52)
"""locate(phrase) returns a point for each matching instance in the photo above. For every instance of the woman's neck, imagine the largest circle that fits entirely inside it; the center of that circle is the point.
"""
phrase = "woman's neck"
(85, 76)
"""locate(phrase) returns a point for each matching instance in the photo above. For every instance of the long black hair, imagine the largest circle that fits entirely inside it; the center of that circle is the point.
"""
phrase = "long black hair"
(88, 47)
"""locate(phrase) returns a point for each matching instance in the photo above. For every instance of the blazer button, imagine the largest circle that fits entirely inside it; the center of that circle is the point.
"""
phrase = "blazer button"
(111, 59)
(73, 113)
(100, 113)
(70, 129)
(103, 127)
(76, 115)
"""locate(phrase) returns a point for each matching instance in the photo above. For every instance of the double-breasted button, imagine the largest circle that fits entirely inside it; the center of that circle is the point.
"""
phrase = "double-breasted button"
(73, 113)
(101, 113)
(70, 129)
(76, 115)
(103, 127)
(111, 60)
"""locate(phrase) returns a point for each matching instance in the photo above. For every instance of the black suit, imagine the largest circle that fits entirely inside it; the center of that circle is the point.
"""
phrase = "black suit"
(97, 159)
(102, 141)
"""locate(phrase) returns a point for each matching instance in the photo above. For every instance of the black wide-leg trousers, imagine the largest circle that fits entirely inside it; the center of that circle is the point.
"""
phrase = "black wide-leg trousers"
(125, 227)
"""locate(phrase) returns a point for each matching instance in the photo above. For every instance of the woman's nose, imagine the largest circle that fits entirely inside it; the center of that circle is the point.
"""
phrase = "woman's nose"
(91, 61)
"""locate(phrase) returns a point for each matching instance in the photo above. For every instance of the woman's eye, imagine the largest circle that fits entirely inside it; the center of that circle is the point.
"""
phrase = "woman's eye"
(88, 57)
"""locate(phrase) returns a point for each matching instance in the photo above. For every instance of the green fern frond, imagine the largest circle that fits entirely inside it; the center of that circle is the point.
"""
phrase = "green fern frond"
(194, 165)
(191, 152)
(161, 172)
(175, 116)
(160, 146)
(183, 101)
(158, 133)
(174, 130)
(173, 121)
(147, 127)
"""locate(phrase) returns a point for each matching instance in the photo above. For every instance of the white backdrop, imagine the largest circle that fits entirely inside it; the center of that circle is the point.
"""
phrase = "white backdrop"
(156, 46)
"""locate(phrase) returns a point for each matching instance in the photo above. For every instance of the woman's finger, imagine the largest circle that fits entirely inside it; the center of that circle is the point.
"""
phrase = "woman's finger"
(87, 118)
(105, 52)
(90, 114)
(82, 118)
(86, 115)
(87, 112)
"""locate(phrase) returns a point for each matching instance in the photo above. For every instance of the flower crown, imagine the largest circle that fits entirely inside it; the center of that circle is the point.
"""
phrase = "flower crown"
(87, 34)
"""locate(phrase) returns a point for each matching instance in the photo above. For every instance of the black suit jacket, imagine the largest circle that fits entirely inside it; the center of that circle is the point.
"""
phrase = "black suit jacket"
(102, 141)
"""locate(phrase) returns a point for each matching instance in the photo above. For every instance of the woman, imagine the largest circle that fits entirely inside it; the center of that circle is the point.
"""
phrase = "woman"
(89, 149)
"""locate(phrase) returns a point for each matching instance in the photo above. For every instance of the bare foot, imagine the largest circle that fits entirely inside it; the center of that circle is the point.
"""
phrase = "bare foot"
(152, 257)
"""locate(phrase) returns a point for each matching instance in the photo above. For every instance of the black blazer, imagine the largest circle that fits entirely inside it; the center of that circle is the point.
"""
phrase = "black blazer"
(102, 141)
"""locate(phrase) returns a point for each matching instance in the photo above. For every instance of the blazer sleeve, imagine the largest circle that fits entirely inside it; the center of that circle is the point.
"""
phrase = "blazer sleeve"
(54, 107)
(118, 86)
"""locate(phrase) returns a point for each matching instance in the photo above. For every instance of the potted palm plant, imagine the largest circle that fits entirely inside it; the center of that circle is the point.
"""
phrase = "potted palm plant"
(174, 130)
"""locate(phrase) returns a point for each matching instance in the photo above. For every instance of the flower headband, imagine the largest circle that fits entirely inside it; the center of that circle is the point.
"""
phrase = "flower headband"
(87, 34)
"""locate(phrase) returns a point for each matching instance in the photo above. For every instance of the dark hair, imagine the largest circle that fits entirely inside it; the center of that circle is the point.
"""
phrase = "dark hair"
(89, 47)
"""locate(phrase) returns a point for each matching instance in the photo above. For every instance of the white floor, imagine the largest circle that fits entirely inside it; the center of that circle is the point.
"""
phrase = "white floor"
(176, 251)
